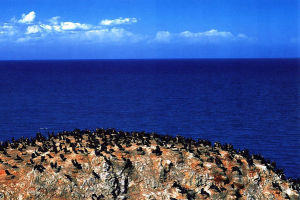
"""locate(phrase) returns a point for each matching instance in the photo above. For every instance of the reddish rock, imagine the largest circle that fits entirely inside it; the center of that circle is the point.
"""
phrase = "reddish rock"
(107, 164)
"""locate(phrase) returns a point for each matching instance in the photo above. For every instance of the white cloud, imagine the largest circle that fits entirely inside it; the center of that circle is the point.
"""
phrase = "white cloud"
(54, 20)
(163, 36)
(46, 27)
(57, 28)
(120, 33)
(211, 36)
(73, 26)
(23, 39)
(214, 32)
(32, 29)
(241, 35)
(211, 33)
(109, 22)
(27, 18)
(7, 32)
(27, 29)
(110, 35)
(6, 26)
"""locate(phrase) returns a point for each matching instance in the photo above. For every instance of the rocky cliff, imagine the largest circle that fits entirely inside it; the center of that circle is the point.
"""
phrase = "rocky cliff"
(106, 164)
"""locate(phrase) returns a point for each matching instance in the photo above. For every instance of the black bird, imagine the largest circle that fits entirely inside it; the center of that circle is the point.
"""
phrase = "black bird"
(250, 161)
(66, 150)
(54, 149)
(49, 155)
(96, 175)
(33, 155)
(215, 188)
(7, 172)
(52, 165)
(203, 192)
(120, 147)
(210, 159)
(74, 150)
(81, 151)
(128, 164)
(40, 168)
(98, 153)
(62, 157)
(218, 161)
(58, 169)
(69, 177)
(239, 161)
(18, 158)
(157, 151)
(36, 153)
(276, 186)
(107, 161)
(95, 197)
(6, 154)
(238, 194)
(76, 164)
(140, 151)
(68, 141)
(280, 173)
(237, 170)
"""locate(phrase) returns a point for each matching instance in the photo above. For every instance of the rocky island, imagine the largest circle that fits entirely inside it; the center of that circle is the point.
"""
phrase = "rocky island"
(110, 164)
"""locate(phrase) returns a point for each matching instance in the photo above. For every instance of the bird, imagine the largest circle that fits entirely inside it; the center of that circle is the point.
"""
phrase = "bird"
(33, 155)
(58, 169)
(49, 155)
(62, 157)
(40, 168)
(203, 192)
(215, 188)
(18, 158)
(7, 172)
(76, 164)
(69, 177)
(236, 169)
(157, 151)
(95, 197)
(96, 175)
(276, 186)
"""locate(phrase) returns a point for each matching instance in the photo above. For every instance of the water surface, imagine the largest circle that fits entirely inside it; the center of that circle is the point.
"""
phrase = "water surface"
(252, 104)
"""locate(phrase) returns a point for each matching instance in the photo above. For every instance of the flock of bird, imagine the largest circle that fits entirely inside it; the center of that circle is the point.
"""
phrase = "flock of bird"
(84, 142)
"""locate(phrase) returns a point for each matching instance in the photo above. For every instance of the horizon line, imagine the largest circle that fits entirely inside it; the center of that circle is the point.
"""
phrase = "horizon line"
(110, 59)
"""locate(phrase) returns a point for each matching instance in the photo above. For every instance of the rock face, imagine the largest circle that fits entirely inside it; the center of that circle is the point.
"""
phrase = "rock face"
(106, 164)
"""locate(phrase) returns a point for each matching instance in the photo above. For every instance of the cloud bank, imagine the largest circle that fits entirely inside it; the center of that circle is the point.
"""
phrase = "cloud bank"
(211, 36)
(107, 31)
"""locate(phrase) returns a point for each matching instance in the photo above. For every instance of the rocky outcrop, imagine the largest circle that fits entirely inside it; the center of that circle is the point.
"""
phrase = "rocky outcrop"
(106, 164)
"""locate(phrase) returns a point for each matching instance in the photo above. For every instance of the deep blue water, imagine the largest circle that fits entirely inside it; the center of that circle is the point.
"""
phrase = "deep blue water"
(252, 104)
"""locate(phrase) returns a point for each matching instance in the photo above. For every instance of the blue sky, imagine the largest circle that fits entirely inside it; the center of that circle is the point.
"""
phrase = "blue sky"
(108, 29)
